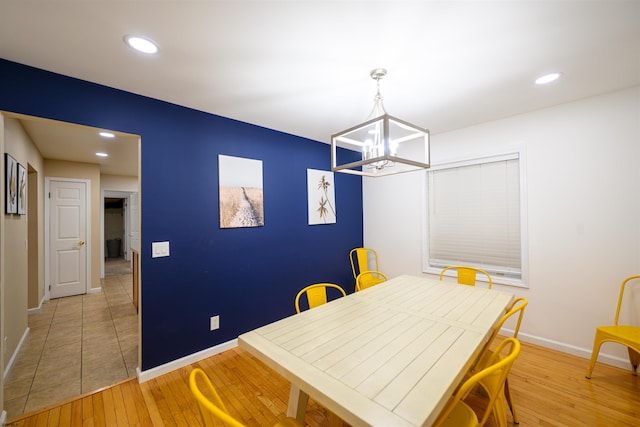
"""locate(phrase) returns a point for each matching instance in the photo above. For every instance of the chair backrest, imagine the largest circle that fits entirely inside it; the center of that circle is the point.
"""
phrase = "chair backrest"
(467, 275)
(212, 407)
(316, 294)
(363, 259)
(368, 279)
(517, 306)
(493, 378)
(624, 283)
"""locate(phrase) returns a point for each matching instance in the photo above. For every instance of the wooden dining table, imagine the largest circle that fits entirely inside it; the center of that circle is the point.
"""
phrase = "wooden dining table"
(390, 355)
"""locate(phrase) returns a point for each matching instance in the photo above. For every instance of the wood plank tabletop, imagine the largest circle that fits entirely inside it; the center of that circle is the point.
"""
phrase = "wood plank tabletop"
(389, 355)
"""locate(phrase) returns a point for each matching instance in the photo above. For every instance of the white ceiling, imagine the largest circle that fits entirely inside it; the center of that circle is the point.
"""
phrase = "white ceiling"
(302, 67)
(75, 143)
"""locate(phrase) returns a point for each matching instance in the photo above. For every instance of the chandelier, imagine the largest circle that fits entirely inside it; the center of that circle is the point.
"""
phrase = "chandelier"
(383, 145)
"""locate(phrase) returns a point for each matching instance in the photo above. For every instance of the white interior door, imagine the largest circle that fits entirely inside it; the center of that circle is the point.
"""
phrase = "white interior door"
(68, 237)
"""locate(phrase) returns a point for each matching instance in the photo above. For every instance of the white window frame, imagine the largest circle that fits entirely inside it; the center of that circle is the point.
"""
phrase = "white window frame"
(523, 281)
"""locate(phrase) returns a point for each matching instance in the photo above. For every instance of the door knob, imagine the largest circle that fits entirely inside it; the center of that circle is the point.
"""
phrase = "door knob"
(81, 242)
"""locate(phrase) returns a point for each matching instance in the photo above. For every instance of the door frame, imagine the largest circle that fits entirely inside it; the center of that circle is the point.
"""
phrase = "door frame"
(126, 244)
(47, 232)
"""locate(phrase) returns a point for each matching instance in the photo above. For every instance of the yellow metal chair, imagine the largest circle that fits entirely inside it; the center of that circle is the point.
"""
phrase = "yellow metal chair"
(212, 410)
(369, 278)
(467, 275)
(363, 259)
(316, 294)
(623, 334)
(517, 306)
(458, 414)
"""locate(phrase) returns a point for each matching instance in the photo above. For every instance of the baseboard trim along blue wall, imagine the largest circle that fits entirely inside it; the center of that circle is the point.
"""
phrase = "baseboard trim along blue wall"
(247, 276)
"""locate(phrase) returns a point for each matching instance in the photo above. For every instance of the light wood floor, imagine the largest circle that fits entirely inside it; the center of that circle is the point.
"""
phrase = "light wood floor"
(549, 389)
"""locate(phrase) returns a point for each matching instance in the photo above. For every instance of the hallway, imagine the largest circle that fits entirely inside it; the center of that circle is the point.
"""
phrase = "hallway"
(76, 345)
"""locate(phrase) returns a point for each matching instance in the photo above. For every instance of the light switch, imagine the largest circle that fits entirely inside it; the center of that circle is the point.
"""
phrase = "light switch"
(159, 249)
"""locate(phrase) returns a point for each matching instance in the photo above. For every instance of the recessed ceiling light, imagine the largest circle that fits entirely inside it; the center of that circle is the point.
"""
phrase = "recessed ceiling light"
(107, 135)
(141, 44)
(102, 155)
(547, 78)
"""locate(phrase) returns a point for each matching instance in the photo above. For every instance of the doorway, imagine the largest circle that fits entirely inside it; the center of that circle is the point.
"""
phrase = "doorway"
(119, 231)
(70, 341)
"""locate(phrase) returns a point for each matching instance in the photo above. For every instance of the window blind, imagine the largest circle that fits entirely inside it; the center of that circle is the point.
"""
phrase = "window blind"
(474, 216)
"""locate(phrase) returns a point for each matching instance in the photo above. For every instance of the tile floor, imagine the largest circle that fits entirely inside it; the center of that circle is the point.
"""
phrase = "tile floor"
(75, 345)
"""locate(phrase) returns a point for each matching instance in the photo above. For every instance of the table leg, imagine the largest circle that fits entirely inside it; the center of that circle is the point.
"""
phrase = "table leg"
(297, 403)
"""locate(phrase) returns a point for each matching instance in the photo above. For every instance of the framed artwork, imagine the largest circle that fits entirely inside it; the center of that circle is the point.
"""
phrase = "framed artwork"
(240, 192)
(321, 197)
(11, 184)
(22, 190)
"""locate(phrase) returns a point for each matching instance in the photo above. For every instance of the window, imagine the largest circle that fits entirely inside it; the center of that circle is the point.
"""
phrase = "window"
(476, 217)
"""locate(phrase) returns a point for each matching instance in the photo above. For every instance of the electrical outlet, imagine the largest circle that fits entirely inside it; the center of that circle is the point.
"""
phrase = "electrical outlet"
(214, 323)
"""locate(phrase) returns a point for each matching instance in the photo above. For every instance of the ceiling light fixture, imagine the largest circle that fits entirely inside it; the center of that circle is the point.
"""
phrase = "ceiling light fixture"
(102, 154)
(547, 78)
(107, 135)
(383, 145)
(141, 44)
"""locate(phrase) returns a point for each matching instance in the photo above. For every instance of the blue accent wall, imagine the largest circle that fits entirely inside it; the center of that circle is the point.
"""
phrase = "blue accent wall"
(248, 276)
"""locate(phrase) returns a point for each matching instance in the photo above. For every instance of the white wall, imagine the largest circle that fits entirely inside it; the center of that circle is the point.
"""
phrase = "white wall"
(583, 195)
(119, 183)
(15, 262)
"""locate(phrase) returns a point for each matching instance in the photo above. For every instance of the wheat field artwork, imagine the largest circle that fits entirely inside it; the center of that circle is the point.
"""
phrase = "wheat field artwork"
(241, 195)
(321, 197)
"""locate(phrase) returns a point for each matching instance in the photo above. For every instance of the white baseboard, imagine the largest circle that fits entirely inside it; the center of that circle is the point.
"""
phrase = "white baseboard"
(585, 353)
(94, 290)
(149, 374)
(14, 355)
(35, 310)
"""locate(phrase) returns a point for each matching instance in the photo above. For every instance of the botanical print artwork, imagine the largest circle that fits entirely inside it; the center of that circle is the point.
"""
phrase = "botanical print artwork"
(321, 197)
(11, 185)
(22, 190)
(241, 201)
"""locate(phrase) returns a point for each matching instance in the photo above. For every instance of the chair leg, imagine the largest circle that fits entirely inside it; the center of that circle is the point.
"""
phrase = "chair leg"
(634, 358)
(500, 411)
(594, 356)
(507, 395)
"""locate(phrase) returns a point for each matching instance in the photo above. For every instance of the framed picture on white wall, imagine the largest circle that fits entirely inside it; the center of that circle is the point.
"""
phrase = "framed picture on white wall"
(11, 184)
(22, 190)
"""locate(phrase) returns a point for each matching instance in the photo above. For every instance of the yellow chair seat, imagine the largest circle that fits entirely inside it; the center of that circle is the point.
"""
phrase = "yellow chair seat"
(626, 335)
(622, 334)
(461, 416)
